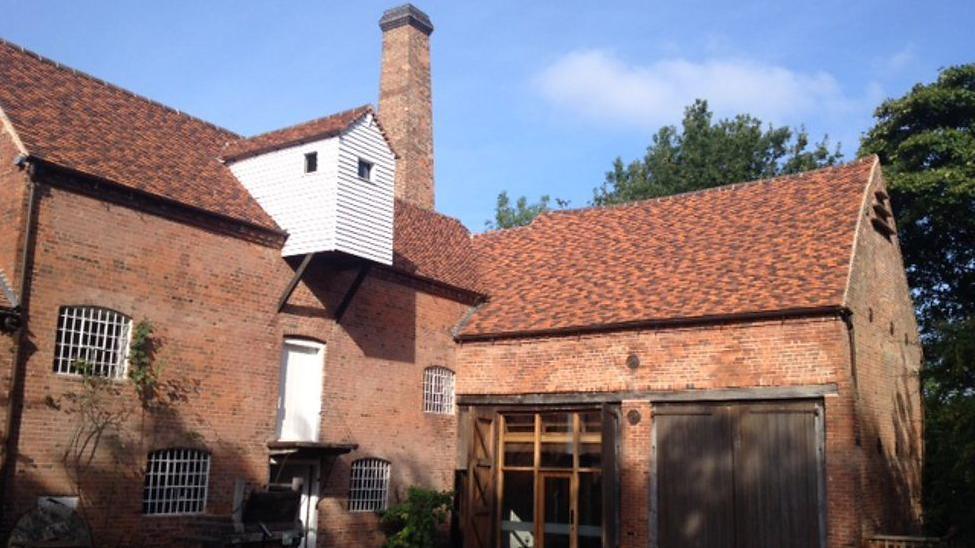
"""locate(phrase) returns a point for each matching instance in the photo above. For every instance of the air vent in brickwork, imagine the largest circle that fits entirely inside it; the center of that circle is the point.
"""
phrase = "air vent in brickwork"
(881, 216)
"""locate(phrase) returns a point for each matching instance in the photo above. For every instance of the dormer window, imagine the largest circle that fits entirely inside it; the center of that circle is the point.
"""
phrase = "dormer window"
(365, 170)
(311, 162)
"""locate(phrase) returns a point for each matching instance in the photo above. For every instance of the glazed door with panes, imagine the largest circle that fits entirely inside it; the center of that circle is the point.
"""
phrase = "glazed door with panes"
(551, 474)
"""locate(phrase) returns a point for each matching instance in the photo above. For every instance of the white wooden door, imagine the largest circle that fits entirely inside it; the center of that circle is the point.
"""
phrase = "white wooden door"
(300, 401)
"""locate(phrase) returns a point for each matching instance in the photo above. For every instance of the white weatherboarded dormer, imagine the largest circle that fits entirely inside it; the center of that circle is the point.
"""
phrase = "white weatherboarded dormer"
(328, 183)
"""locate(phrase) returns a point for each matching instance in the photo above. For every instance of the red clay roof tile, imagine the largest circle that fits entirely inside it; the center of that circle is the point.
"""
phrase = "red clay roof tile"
(765, 246)
(434, 246)
(84, 124)
(321, 128)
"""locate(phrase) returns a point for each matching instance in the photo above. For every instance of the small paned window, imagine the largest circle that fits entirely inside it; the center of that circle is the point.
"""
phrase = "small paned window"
(311, 162)
(369, 485)
(365, 169)
(176, 482)
(438, 391)
(92, 339)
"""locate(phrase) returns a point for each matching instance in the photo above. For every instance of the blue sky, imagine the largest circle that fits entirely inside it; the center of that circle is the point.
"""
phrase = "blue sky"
(532, 97)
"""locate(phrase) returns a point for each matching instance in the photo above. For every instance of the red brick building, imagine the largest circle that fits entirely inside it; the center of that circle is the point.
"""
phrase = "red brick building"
(734, 367)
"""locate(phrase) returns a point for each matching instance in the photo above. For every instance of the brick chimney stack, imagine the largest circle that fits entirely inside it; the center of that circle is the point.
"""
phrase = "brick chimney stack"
(405, 101)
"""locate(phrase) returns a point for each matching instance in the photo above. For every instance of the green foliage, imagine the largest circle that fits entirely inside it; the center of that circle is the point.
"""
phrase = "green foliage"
(521, 213)
(949, 386)
(926, 141)
(705, 154)
(143, 372)
(702, 154)
(417, 522)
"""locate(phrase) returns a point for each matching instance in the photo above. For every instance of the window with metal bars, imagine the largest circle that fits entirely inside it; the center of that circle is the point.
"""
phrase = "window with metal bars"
(96, 337)
(176, 482)
(438, 391)
(369, 485)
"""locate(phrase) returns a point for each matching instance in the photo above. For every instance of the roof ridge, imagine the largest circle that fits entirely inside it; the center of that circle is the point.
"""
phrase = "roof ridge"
(115, 87)
(439, 214)
(637, 203)
(709, 190)
(510, 230)
(679, 195)
(364, 108)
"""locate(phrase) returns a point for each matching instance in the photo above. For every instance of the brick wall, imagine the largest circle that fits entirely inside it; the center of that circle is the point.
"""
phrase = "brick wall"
(12, 202)
(406, 111)
(12, 206)
(887, 364)
(373, 396)
(202, 292)
(212, 298)
(772, 353)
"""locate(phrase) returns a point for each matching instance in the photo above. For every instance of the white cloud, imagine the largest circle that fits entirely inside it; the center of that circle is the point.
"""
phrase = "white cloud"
(598, 85)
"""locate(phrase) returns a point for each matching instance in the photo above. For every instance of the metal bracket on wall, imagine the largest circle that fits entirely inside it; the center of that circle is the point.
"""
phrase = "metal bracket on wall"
(10, 320)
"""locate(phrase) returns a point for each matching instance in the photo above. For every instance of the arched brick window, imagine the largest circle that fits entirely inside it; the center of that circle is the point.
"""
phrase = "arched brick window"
(369, 485)
(94, 336)
(438, 391)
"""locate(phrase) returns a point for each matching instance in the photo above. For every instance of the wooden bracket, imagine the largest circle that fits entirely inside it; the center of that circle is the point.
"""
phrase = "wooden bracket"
(350, 293)
(294, 281)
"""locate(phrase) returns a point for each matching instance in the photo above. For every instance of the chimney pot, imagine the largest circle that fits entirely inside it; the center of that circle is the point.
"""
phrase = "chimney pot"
(407, 14)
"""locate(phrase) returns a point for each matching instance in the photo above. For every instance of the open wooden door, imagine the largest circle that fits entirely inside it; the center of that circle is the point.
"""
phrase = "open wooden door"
(479, 530)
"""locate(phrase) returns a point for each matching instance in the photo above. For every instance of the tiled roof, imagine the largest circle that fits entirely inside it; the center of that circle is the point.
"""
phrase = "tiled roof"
(314, 130)
(766, 246)
(8, 299)
(81, 123)
(434, 246)
(84, 124)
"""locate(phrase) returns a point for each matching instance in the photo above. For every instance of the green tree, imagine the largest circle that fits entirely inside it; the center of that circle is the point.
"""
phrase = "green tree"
(521, 213)
(701, 155)
(926, 141)
(705, 154)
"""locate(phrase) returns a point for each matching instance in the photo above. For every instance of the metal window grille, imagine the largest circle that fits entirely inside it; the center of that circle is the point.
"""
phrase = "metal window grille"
(176, 482)
(96, 336)
(438, 391)
(369, 485)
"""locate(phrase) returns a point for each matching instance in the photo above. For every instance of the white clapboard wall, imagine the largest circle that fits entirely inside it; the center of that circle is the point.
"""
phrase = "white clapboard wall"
(331, 209)
(364, 212)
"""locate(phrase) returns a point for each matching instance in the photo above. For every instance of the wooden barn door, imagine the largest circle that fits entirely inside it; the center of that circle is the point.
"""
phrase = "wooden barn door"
(777, 475)
(695, 481)
(479, 531)
(739, 475)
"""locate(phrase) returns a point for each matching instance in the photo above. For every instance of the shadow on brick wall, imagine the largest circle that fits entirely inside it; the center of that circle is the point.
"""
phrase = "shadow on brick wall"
(100, 454)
